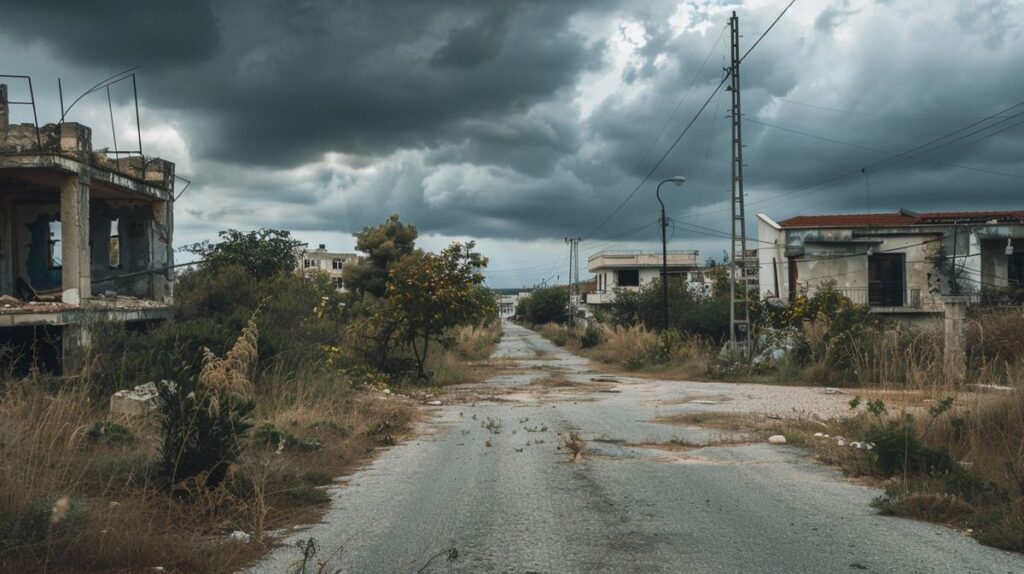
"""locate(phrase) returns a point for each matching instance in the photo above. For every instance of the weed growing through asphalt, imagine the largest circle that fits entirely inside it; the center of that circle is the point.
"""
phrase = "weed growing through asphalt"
(575, 445)
(493, 426)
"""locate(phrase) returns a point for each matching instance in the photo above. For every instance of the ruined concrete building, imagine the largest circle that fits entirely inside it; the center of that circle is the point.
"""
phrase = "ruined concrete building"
(83, 236)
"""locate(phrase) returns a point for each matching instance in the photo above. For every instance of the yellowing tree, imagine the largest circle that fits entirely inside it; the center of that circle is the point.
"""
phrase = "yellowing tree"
(433, 292)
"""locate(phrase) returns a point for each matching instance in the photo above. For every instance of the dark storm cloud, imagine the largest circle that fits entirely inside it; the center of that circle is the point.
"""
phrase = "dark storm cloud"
(536, 119)
(112, 32)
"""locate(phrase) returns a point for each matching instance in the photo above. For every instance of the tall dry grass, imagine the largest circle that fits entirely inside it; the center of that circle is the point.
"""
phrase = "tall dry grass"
(70, 503)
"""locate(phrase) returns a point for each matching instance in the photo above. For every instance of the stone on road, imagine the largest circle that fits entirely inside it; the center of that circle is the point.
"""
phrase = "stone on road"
(492, 480)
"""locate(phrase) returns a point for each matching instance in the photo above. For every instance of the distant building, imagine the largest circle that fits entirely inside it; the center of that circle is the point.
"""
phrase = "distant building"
(633, 270)
(896, 263)
(331, 263)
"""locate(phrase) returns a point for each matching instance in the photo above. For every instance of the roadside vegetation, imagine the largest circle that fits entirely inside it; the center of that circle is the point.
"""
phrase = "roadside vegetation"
(272, 384)
(940, 452)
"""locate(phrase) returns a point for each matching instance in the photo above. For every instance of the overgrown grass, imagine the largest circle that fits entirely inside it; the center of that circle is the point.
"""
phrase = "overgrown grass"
(637, 349)
(72, 503)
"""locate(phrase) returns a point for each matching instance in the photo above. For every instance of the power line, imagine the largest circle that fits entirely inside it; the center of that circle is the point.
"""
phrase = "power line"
(725, 78)
(882, 151)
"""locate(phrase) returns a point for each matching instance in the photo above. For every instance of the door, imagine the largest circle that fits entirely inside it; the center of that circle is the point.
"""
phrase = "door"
(885, 279)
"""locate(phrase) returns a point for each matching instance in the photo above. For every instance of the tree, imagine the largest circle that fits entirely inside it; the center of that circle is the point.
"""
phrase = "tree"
(263, 253)
(384, 245)
(433, 292)
(545, 305)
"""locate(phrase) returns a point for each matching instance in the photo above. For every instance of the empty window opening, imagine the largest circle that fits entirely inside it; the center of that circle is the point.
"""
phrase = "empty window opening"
(339, 283)
(307, 263)
(629, 278)
(54, 245)
(885, 280)
(114, 246)
(336, 263)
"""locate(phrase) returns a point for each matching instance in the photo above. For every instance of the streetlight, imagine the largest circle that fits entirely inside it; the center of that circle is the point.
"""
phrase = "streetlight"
(678, 180)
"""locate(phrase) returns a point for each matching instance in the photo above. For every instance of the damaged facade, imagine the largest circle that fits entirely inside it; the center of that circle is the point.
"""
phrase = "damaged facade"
(83, 236)
(901, 263)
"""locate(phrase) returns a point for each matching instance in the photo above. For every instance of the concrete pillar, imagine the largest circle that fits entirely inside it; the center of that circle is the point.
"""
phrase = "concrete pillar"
(74, 341)
(76, 271)
(954, 351)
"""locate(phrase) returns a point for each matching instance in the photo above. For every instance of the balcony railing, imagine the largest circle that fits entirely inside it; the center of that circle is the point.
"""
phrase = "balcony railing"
(912, 298)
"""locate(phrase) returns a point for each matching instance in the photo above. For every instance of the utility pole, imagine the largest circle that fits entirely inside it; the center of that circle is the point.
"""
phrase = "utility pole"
(574, 275)
(739, 292)
(678, 180)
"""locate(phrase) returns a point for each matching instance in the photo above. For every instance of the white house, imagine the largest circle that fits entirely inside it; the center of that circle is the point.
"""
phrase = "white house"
(896, 263)
(633, 270)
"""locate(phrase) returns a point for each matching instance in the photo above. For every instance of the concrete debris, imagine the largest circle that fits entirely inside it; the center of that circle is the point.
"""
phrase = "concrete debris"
(831, 391)
(239, 536)
(138, 401)
(777, 439)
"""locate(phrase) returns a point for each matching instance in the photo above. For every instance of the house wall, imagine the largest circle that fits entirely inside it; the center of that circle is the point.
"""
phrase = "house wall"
(771, 259)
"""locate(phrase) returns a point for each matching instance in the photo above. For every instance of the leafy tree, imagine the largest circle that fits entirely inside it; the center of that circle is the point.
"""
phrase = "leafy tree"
(546, 305)
(263, 253)
(433, 292)
(384, 245)
(689, 312)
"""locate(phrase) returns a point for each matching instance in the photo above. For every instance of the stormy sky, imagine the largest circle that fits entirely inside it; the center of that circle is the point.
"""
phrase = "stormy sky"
(518, 123)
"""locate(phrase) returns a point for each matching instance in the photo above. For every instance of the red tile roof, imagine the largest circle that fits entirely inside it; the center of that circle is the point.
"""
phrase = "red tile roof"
(852, 220)
(902, 218)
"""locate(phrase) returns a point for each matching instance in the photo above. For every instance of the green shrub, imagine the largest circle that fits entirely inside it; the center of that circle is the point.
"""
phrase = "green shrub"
(308, 496)
(592, 336)
(109, 432)
(201, 429)
(268, 435)
(42, 519)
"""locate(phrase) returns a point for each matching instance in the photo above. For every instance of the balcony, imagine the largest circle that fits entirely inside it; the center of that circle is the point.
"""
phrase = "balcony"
(913, 299)
(613, 259)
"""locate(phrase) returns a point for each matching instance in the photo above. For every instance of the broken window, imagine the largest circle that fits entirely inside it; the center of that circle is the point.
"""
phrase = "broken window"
(307, 263)
(54, 245)
(336, 264)
(1015, 269)
(629, 278)
(114, 246)
(885, 280)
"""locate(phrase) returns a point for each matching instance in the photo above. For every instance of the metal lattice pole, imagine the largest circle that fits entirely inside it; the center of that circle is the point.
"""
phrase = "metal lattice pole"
(739, 290)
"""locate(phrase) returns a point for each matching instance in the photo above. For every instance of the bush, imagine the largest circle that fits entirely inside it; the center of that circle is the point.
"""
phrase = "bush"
(201, 429)
(546, 305)
(109, 432)
(591, 337)
(202, 417)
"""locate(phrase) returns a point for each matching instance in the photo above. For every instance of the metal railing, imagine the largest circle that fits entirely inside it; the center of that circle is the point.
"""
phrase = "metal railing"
(861, 296)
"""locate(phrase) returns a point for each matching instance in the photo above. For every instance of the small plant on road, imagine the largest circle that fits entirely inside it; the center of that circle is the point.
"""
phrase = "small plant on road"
(575, 445)
(493, 426)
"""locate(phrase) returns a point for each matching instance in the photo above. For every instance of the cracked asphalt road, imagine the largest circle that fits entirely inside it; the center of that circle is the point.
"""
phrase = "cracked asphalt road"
(509, 501)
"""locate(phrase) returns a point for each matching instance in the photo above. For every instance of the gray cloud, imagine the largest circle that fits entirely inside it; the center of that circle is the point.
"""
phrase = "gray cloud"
(531, 119)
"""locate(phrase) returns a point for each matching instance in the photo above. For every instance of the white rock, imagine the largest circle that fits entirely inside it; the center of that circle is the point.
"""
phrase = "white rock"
(387, 391)
(434, 403)
(819, 435)
(856, 444)
(840, 442)
(777, 439)
(239, 536)
(831, 390)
